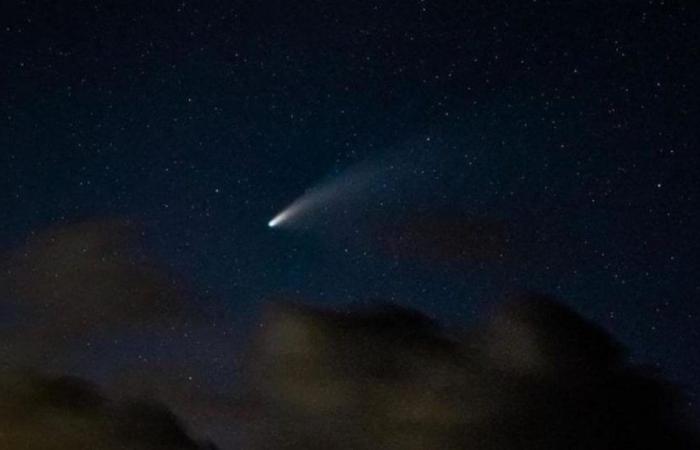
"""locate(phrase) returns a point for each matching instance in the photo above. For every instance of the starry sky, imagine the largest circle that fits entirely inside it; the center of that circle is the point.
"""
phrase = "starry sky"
(548, 146)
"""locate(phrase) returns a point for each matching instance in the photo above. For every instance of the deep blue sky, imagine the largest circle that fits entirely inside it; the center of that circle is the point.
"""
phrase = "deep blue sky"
(573, 123)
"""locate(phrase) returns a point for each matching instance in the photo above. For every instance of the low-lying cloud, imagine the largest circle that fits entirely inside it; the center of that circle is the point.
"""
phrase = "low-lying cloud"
(39, 412)
(535, 376)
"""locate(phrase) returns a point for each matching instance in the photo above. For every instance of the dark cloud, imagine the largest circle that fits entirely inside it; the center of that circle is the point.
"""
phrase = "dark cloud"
(205, 405)
(89, 276)
(38, 412)
(73, 291)
(536, 375)
(445, 239)
(534, 238)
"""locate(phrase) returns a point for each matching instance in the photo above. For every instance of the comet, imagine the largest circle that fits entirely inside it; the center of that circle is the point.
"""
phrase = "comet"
(278, 219)
(312, 201)
(328, 195)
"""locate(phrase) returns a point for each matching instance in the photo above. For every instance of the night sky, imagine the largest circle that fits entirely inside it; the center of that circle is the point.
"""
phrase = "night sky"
(472, 150)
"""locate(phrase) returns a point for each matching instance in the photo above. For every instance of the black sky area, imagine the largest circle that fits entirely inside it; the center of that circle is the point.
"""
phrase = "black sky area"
(515, 146)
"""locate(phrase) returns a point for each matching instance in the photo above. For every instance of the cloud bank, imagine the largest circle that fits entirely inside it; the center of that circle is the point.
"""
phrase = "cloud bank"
(535, 376)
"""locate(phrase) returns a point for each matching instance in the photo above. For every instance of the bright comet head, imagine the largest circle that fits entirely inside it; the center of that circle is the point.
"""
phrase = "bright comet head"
(277, 219)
